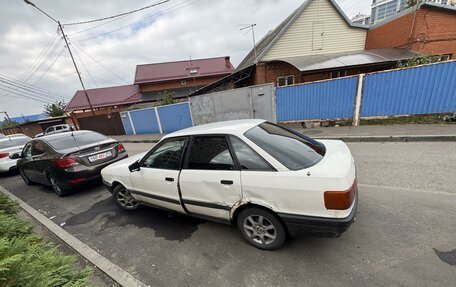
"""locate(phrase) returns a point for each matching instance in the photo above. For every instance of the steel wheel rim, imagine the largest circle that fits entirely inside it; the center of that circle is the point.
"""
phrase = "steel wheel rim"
(55, 185)
(260, 229)
(125, 199)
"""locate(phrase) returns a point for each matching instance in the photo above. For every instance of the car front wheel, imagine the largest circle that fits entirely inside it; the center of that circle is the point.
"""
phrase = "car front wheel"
(124, 199)
(261, 228)
(24, 177)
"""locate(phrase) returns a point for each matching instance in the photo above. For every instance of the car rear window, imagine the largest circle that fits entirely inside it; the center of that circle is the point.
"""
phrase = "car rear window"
(14, 141)
(292, 149)
(76, 140)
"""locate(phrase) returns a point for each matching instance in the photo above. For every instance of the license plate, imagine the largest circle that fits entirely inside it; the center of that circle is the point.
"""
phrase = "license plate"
(100, 156)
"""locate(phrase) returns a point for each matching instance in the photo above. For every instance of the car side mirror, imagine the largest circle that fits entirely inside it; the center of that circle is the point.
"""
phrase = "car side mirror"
(15, 156)
(134, 166)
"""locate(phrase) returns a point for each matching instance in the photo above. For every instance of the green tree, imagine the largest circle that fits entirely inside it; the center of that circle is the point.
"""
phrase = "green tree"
(56, 109)
(7, 123)
(418, 61)
(166, 98)
(411, 3)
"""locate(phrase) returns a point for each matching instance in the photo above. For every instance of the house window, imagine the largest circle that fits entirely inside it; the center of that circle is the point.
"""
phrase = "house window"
(285, 81)
(445, 57)
(338, 74)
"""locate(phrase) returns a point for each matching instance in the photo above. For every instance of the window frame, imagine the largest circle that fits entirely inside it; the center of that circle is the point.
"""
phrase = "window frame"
(286, 80)
(33, 148)
(236, 166)
(157, 146)
(272, 168)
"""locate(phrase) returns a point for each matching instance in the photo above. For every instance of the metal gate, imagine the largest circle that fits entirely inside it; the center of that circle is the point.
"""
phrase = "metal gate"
(109, 124)
(256, 102)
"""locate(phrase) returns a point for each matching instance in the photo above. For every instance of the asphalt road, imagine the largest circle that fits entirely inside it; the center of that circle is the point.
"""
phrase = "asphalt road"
(405, 233)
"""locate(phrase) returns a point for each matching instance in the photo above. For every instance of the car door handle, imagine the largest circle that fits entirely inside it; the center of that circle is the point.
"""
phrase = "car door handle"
(169, 179)
(227, 182)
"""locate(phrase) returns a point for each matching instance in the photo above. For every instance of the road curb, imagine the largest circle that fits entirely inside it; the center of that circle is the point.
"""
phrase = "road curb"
(115, 272)
(400, 138)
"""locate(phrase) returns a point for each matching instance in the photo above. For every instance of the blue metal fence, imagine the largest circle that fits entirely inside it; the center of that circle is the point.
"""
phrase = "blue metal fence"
(163, 119)
(175, 117)
(145, 121)
(320, 100)
(421, 90)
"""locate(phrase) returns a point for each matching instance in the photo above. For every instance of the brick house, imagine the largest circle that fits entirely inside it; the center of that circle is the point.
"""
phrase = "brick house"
(316, 42)
(429, 28)
(181, 77)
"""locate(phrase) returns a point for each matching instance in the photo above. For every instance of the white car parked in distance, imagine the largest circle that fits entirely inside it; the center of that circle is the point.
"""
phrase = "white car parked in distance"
(9, 145)
(268, 180)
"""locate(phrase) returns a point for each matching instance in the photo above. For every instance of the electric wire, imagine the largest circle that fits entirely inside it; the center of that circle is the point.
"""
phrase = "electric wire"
(26, 85)
(164, 12)
(85, 68)
(99, 63)
(118, 15)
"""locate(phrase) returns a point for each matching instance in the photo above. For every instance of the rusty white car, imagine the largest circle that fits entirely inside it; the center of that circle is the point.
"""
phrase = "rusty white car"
(270, 181)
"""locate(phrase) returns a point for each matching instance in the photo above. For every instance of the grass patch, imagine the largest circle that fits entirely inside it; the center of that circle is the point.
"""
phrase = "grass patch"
(27, 261)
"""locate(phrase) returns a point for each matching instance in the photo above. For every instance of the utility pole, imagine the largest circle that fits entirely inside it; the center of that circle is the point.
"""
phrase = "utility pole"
(7, 116)
(251, 27)
(69, 50)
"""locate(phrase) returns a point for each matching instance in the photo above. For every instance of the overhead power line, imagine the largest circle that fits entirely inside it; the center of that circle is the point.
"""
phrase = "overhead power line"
(164, 12)
(85, 68)
(21, 95)
(36, 89)
(99, 63)
(35, 93)
(118, 15)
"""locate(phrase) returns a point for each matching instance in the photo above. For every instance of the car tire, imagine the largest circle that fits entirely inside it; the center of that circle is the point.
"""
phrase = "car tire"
(25, 178)
(56, 187)
(124, 199)
(261, 228)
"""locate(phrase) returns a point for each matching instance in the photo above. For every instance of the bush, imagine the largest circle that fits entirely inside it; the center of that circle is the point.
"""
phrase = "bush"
(27, 261)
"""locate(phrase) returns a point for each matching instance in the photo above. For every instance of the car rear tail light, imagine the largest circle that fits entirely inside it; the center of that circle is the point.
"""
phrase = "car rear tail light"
(120, 148)
(340, 200)
(4, 154)
(65, 162)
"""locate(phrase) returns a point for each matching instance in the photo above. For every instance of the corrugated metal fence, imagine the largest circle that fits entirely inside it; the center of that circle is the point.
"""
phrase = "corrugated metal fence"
(424, 89)
(319, 100)
(421, 90)
(163, 119)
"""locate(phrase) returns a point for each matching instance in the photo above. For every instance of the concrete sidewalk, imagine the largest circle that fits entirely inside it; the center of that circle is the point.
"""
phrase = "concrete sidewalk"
(393, 133)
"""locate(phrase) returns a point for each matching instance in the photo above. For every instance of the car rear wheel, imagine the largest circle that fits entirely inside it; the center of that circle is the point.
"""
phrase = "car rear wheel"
(56, 187)
(124, 199)
(261, 228)
(25, 178)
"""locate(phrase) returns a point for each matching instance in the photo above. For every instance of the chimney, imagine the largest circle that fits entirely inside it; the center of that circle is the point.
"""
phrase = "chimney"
(227, 62)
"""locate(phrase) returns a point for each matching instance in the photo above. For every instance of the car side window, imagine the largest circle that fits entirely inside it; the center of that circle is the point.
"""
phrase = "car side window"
(27, 151)
(166, 156)
(38, 148)
(247, 157)
(209, 153)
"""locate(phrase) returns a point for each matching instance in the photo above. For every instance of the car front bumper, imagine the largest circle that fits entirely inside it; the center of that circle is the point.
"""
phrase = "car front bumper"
(328, 227)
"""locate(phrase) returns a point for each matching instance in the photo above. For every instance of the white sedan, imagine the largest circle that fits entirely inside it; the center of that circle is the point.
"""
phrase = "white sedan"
(268, 180)
(10, 145)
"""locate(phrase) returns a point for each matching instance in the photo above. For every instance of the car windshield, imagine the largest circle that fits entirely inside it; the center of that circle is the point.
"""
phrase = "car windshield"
(75, 140)
(13, 141)
(292, 149)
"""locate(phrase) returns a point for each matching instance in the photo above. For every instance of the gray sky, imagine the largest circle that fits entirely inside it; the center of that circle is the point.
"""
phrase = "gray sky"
(169, 32)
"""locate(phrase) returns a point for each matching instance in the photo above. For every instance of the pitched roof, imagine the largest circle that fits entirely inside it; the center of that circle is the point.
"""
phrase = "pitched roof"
(105, 97)
(273, 36)
(160, 72)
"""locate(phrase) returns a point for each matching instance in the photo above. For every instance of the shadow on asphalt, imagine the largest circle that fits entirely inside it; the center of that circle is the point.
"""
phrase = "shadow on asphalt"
(165, 224)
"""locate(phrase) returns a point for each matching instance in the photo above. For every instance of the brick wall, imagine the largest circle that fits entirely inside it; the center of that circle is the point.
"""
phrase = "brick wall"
(269, 72)
(434, 32)
(171, 85)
